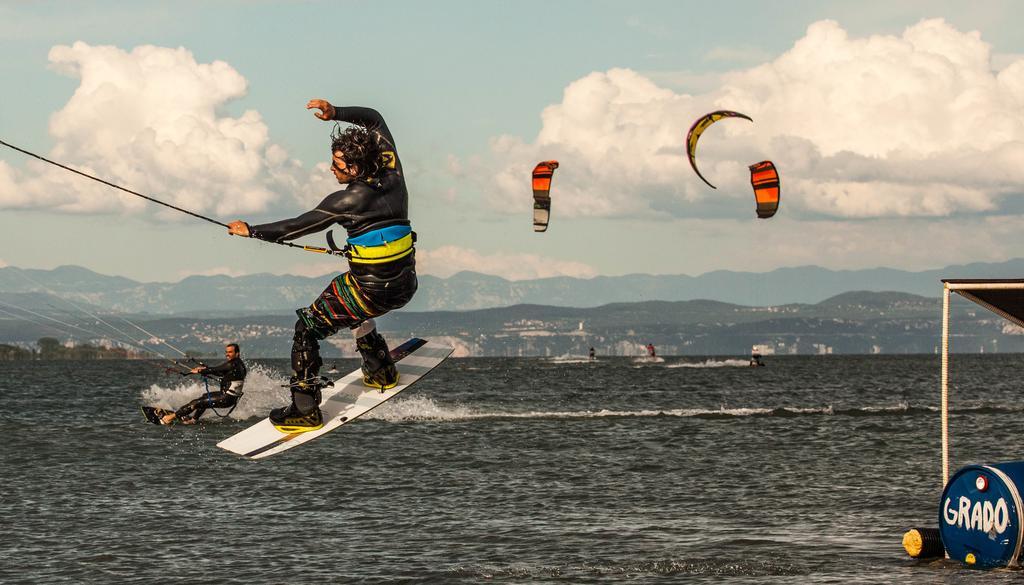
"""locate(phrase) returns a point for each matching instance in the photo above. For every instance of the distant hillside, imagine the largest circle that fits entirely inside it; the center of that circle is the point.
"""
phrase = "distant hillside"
(267, 293)
(854, 322)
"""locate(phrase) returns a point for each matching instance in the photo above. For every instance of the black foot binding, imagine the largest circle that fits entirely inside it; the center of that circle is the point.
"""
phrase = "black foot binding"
(379, 370)
(309, 385)
(303, 414)
(288, 420)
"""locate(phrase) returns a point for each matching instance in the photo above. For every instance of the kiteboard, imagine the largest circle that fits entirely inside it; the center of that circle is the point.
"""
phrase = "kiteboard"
(346, 401)
(154, 414)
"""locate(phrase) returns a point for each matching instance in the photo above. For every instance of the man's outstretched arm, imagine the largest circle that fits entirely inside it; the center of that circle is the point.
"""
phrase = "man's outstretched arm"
(320, 218)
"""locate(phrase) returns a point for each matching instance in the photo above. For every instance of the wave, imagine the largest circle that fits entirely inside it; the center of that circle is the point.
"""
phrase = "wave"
(265, 390)
(422, 408)
(646, 359)
(417, 408)
(709, 363)
(570, 359)
(425, 409)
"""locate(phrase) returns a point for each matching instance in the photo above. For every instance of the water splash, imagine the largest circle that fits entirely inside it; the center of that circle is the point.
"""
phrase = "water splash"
(263, 392)
(418, 408)
(570, 359)
(710, 363)
(646, 359)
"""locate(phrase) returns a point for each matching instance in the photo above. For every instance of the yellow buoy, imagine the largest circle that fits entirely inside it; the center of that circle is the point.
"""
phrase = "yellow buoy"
(923, 543)
(913, 543)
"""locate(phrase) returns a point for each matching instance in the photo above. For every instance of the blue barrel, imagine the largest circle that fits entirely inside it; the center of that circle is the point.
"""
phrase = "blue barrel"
(980, 515)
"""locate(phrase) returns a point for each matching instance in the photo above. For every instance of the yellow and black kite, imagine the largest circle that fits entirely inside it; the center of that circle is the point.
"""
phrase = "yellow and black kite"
(698, 128)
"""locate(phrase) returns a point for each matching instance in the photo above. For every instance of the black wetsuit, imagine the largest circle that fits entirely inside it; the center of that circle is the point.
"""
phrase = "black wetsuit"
(232, 378)
(382, 263)
(365, 206)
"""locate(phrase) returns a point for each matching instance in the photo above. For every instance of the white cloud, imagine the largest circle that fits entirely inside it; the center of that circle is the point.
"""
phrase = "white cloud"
(448, 260)
(307, 189)
(702, 245)
(1001, 61)
(217, 271)
(455, 166)
(442, 262)
(686, 81)
(151, 119)
(312, 270)
(326, 268)
(914, 125)
(898, 243)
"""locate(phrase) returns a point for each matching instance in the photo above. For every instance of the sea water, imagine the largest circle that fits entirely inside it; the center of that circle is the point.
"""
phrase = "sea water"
(695, 470)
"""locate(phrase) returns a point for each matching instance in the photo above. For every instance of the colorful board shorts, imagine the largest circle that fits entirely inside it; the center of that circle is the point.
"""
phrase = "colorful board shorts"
(350, 300)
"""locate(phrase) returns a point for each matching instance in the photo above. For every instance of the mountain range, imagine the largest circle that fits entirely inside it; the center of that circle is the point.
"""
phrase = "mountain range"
(271, 294)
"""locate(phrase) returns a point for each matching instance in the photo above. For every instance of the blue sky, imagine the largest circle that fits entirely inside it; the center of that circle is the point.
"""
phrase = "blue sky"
(897, 127)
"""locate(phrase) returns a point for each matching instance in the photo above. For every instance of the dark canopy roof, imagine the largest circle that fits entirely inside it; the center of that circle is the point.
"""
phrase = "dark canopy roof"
(1002, 296)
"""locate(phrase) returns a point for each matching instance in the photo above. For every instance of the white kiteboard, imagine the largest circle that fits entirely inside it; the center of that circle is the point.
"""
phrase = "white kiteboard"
(346, 401)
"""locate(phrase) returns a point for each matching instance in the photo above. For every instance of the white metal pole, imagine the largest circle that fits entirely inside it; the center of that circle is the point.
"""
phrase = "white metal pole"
(1016, 285)
(945, 384)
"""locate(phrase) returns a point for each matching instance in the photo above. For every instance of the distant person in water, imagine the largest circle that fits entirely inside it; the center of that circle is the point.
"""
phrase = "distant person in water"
(232, 379)
(592, 354)
(374, 210)
(650, 350)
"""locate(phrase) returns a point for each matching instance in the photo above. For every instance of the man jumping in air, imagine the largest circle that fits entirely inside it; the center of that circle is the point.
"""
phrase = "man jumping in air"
(374, 210)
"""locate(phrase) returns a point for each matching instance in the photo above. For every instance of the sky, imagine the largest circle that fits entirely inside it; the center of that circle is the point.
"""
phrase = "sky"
(897, 129)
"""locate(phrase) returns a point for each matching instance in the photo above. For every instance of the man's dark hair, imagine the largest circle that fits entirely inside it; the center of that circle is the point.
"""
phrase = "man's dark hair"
(359, 146)
(235, 345)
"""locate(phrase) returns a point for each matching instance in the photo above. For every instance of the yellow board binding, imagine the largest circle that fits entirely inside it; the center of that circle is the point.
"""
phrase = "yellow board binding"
(367, 381)
(291, 430)
(301, 424)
